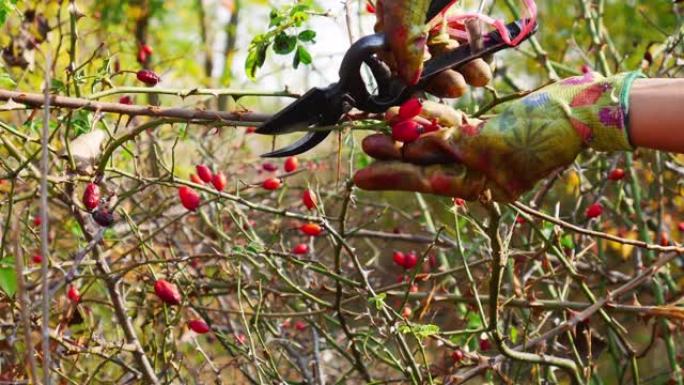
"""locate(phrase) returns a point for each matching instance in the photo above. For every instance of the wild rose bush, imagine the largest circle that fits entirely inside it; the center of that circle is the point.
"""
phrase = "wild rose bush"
(172, 253)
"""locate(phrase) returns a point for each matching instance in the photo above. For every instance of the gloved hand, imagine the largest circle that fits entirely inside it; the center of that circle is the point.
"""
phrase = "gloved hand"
(507, 153)
(412, 42)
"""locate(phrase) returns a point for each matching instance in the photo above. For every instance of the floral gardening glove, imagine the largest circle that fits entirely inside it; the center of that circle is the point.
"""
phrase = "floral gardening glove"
(507, 153)
(412, 42)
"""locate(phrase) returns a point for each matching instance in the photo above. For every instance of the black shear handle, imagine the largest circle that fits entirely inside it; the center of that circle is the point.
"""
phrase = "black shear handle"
(391, 91)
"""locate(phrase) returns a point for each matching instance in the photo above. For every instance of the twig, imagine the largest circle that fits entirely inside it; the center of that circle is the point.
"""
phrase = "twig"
(37, 100)
(44, 249)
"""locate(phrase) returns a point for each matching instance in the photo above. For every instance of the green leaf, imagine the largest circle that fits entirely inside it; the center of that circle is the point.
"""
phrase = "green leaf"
(307, 35)
(421, 331)
(255, 59)
(6, 81)
(303, 55)
(8, 277)
(284, 43)
(567, 242)
(378, 300)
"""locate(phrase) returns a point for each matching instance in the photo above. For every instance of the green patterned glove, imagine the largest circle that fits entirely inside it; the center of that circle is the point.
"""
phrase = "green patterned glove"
(507, 153)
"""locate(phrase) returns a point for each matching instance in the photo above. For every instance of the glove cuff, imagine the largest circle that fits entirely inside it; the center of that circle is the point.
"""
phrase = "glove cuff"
(600, 110)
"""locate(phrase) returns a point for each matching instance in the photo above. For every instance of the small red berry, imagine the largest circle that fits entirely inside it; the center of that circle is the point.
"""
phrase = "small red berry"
(585, 68)
(370, 8)
(594, 210)
(148, 77)
(37, 221)
(125, 100)
(406, 131)
(410, 109)
(457, 356)
(189, 198)
(167, 292)
(73, 294)
(300, 249)
(250, 129)
(204, 172)
(680, 226)
(399, 258)
(406, 312)
(195, 179)
(311, 229)
(300, 325)
(664, 239)
(272, 184)
(309, 199)
(198, 326)
(37, 258)
(485, 344)
(146, 48)
(91, 196)
(291, 164)
(240, 339)
(142, 56)
(460, 202)
(219, 181)
(268, 166)
(520, 220)
(410, 261)
(616, 174)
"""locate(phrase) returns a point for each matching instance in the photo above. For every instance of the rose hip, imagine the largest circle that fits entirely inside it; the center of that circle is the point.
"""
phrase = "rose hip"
(198, 326)
(73, 294)
(410, 109)
(399, 258)
(300, 249)
(406, 131)
(91, 196)
(219, 181)
(309, 199)
(272, 184)
(189, 198)
(411, 260)
(148, 77)
(616, 174)
(291, 164)
(594, 210)
(204, 172)
(311, 229)
(167, 292)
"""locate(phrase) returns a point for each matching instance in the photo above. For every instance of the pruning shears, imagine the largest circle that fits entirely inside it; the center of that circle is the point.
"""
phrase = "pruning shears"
(323, 107)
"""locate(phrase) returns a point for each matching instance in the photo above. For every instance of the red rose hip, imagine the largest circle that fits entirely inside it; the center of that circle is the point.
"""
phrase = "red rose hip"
(198, 326)
(272, 184)
(309, 199)
(204, 173)
(167, 292)
(399, 258)
(311, 229)
(91, 196)
(594, 210)
(148, 77)
(189, 198)
(219, 181)
(300, 249)
(616, 174)
(291, 164)
(410, 261)
(73, 294)
(410, 109)
(406, 131)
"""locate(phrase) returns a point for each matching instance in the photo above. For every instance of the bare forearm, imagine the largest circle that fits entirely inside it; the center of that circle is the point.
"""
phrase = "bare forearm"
(656, 114)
